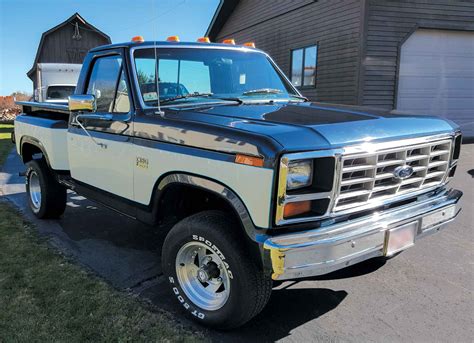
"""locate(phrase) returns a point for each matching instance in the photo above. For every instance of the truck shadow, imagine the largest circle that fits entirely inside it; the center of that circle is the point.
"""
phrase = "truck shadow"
(295, 303)
(126, 254)
(286, 310)
(292, 304)
(359, 269)
(85, 219)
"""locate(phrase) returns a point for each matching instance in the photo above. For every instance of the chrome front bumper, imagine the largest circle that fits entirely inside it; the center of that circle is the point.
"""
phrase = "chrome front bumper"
(326, 249)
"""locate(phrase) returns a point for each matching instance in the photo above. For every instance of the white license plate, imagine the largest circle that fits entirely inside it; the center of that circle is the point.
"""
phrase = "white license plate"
(400, 238)
(438, 217)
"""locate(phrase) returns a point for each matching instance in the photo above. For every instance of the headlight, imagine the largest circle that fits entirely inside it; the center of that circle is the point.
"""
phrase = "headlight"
(300, 174)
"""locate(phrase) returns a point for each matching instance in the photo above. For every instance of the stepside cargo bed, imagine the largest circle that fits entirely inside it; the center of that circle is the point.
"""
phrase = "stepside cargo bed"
(44, 126)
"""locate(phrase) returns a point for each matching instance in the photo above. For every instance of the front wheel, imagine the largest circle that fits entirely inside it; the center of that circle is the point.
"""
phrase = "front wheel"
(210, 272)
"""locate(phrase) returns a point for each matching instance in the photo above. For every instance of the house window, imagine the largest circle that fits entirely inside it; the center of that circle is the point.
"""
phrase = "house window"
(304, 66)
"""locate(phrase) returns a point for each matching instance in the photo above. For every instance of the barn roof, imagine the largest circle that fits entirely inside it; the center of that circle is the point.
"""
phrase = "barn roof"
(75, 16)
(223, 12)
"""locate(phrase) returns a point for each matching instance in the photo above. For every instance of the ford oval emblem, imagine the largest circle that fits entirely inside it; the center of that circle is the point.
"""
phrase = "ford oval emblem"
(403, 172)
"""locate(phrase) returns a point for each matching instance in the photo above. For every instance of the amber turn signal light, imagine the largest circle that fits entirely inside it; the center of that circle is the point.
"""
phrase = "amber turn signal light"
(204, 40)
(249, 160)
(172, 39)
(293, 209)
(249, 44)
(229, 41)
(138, 39)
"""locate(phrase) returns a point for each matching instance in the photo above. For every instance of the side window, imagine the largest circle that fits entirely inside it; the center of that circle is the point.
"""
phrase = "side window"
(296, 66)
(309, 69)
(122, 99)
(107, 82)
(304, 66)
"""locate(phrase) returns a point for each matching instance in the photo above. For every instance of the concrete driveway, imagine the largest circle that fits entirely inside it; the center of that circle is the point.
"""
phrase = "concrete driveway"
(424, 294)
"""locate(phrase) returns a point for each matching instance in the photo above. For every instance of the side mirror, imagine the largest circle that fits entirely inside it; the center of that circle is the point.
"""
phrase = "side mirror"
(82, 103)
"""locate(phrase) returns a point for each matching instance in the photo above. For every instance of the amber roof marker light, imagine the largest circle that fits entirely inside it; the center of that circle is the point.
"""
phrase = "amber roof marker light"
(172, 39)
(204, 40)
(249, 44)
(229, 41)
(138, 39)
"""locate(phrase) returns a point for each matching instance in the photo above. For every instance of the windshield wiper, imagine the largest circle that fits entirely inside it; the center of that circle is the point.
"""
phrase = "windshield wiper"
(262, 91)
(300, 97)
(185, 96)
(238, 100)
(197, 95)
(273, 91)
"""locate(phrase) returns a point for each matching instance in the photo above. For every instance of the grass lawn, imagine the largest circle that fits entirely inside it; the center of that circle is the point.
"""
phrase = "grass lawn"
(5, 143)
(45, 297)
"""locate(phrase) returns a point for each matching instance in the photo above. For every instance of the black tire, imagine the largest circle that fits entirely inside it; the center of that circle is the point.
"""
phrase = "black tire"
(52, 201)
(249, 288)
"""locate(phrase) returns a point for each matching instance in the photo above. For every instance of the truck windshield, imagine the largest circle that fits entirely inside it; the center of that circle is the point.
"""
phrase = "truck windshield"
(184, 74)
(59, 92)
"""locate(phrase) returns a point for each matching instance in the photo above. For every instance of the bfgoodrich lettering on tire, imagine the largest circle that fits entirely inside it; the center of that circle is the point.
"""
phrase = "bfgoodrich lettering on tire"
(211, 274)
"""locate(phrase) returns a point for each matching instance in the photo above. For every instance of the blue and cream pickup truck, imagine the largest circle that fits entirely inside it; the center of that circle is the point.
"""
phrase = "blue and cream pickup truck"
(252, 182)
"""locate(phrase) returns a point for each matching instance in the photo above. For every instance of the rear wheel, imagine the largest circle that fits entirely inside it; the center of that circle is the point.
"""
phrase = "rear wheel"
(211, 273)
(46, 197)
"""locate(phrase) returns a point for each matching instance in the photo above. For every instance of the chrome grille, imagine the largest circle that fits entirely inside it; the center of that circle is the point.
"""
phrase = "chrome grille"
(369, 177)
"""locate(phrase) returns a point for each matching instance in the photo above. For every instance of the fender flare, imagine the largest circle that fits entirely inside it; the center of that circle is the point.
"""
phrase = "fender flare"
(35, 142)
(216, 188)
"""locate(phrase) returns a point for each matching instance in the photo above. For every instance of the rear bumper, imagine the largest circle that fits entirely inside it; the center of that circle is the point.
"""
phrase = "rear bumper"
(323, 250)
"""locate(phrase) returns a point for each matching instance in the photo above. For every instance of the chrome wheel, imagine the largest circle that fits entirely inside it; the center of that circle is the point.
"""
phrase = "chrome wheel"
(35, 190)
(203, 276)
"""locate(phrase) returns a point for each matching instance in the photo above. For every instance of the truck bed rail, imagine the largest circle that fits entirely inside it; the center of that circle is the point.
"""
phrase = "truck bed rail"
(39, 107)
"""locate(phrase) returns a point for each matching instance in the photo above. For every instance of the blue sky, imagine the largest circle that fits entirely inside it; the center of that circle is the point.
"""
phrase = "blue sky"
(22, 22)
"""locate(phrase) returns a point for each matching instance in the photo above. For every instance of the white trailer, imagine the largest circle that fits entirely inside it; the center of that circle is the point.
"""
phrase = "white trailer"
(56, 81)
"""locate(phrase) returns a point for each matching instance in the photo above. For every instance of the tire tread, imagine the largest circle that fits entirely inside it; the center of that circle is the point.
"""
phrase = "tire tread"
(260, 283)
(55, 195)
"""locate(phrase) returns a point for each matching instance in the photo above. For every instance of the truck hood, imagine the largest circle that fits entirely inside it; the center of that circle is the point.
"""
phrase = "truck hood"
(307, 126)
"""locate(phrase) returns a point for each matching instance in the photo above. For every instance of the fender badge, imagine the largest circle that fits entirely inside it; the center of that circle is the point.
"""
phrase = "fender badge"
(142, 163)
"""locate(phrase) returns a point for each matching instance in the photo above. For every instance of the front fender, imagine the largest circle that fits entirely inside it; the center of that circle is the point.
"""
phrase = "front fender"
(216, 188)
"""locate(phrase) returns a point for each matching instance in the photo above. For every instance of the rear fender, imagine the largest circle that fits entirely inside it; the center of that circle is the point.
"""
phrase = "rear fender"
(26, 155)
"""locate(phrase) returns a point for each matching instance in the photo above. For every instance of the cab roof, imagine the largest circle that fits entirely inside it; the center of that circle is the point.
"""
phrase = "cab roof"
(152, 44)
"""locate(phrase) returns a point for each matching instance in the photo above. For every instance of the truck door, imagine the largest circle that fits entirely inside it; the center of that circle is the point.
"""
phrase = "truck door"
(105, 159)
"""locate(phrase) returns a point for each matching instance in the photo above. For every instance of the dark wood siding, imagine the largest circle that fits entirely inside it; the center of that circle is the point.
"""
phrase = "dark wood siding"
(389, 23)
(67, 43)
(277, 27)
(59, 47)
(251, 12)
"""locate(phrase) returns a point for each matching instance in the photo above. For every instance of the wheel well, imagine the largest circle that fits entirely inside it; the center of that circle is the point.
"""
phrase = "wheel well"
(30, 151)
(179, 201)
